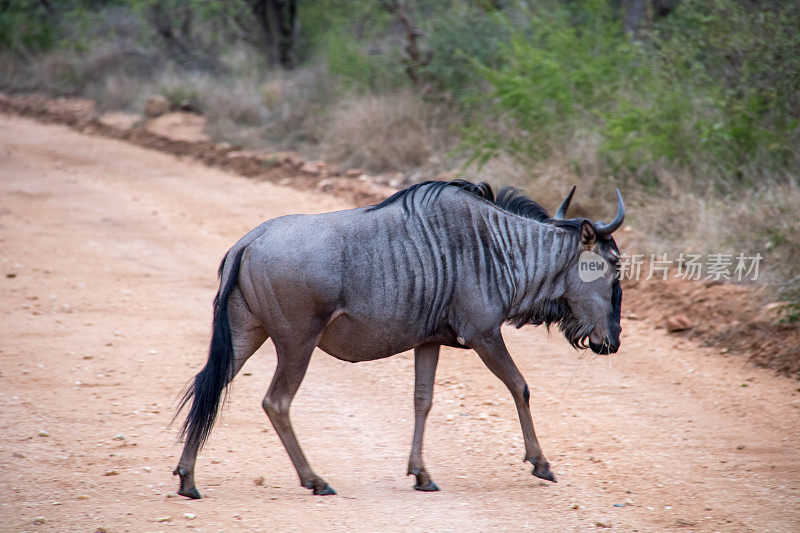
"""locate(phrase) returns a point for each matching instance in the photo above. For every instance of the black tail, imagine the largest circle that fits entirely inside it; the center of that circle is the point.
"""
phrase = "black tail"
(212, 381)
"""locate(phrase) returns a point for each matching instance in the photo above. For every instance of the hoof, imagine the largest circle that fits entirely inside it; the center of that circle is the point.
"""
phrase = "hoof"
(190, 493)
(543, 471)
(324, 491)
(429, 487)
(424, 482)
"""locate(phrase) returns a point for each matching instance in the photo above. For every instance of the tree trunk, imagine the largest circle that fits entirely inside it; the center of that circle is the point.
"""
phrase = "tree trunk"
(280, 26)
(415, 58)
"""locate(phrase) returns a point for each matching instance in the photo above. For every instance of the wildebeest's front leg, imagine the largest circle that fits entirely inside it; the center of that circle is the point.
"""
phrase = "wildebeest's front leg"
(425, 360)
(493, 352)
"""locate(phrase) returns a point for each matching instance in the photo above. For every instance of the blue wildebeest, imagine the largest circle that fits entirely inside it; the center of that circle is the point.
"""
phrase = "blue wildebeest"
(439, 263)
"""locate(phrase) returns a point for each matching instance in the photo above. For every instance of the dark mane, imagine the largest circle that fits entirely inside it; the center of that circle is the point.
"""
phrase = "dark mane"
(514, 201)
(431, 190)
(508, 199)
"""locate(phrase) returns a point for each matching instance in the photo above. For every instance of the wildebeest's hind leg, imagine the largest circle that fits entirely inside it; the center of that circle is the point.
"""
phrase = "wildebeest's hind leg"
(425, 361)
(247, 335)
(293, 358)
(494, 354)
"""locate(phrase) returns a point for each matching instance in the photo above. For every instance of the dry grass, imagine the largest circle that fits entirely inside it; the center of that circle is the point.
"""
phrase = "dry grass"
(255, 111)
(300, 104)
(68, 72)
(302, 110)
(754, 220)
(548, 181)
(391, 132)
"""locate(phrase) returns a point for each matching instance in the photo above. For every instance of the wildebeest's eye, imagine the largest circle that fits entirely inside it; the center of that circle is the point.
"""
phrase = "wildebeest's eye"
(614, 262)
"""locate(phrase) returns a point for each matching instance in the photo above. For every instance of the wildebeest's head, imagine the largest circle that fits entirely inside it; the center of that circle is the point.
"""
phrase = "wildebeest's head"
(593, 293)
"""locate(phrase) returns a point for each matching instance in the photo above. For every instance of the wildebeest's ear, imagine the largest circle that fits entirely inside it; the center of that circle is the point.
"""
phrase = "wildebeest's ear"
(588, 235)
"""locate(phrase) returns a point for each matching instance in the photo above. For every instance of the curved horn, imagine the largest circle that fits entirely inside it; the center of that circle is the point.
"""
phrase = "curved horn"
(562, 209)
(611, 227)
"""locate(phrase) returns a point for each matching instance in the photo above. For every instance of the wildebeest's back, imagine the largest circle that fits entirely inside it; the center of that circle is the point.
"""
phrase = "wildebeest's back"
(385, 278)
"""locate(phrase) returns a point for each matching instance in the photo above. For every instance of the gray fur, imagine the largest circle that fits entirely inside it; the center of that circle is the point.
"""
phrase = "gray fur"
(444, 266)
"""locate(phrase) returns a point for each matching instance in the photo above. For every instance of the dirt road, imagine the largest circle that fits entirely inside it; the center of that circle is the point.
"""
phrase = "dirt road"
(107, 268)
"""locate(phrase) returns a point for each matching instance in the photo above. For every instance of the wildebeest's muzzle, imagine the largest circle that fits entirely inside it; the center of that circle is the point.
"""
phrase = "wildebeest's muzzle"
(604, 348)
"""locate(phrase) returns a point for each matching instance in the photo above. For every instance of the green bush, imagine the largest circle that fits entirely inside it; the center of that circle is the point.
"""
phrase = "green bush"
(355, 41)
(742, 67)
(710, 86)
(357, 68)
(458, 34)
(555, 77)
(26, 27)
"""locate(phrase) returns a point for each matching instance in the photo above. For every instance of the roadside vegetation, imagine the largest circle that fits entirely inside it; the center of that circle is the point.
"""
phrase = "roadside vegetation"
(691, 107)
